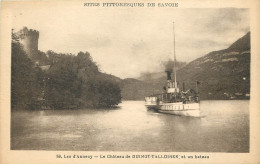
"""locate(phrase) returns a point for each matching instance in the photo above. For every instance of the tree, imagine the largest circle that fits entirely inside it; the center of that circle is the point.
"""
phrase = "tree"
(75, 82)
(26, 80)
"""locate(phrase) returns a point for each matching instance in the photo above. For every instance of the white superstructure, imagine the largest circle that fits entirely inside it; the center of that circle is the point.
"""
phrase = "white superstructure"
(174, 101)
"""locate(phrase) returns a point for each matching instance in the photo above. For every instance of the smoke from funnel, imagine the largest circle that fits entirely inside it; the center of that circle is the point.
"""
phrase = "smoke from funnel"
(169, 66)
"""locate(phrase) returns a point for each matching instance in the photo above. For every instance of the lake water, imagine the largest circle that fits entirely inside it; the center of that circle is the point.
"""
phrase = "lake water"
(224, 127)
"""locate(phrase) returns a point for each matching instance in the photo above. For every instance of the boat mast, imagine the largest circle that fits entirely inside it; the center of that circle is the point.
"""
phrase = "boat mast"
(174, 63)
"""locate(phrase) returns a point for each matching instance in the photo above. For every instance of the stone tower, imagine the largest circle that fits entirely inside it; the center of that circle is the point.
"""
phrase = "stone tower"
(29, 39)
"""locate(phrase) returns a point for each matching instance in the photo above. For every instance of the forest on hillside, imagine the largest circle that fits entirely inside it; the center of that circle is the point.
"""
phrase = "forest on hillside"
(223, 75)
(70, 82)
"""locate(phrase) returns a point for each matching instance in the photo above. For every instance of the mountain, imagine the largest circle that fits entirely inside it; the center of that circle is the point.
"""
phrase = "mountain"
(111, 78)
(151, 76)
(222, 74)
(133, 89)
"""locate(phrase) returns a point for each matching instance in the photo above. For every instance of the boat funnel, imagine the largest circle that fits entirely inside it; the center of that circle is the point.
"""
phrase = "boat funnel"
(169, 75)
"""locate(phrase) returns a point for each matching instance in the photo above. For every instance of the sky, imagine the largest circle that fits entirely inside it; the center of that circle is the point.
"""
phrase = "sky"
(126, 42)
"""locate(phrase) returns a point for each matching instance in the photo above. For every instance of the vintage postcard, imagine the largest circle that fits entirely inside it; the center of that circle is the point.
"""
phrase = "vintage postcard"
(110, 81)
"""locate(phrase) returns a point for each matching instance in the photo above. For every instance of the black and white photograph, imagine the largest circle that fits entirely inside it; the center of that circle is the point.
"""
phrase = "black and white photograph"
(124, 77)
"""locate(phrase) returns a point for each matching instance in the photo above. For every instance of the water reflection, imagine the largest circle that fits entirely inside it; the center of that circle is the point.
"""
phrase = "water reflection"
(131, 127)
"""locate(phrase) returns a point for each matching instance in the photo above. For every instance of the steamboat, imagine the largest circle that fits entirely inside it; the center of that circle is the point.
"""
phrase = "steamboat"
(173, 100)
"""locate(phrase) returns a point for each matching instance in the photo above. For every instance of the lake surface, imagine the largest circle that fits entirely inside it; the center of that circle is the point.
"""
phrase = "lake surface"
(224, 127)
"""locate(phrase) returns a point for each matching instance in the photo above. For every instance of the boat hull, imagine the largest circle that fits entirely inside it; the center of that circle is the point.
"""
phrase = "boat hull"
(191, 109)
